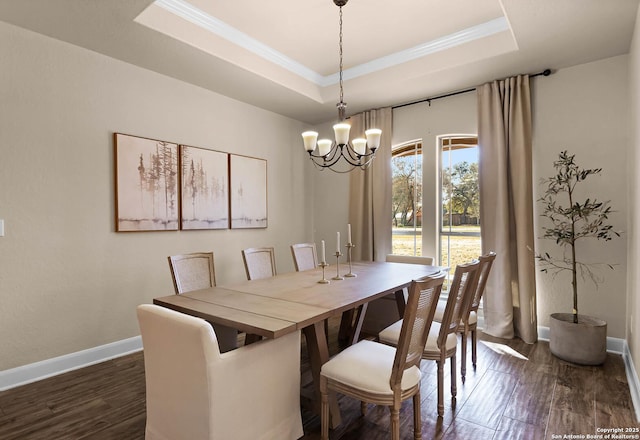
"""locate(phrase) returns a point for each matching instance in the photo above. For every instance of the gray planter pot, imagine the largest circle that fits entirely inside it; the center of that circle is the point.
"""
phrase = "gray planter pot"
(583, 343)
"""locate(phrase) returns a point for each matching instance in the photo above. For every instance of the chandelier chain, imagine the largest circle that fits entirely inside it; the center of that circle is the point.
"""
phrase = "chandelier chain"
(341, 89)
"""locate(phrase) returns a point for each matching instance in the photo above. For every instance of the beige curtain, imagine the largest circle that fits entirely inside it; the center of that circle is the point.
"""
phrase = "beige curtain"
(370, 191)
(506, 207)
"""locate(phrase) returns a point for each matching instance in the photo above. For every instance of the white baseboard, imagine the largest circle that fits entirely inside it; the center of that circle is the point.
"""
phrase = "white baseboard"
(632, 379)
(51, 367)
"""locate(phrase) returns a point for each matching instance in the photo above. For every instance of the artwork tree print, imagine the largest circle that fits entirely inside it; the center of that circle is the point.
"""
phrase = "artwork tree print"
(205, 188)
(248, 192)
(146, 184)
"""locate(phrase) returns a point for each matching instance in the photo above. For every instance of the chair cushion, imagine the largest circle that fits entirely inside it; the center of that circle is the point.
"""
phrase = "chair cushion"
(367, 366)
(473, 316)
(391, 334)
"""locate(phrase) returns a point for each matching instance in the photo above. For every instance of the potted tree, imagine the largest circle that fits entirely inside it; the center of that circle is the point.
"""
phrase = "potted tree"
(576, 338)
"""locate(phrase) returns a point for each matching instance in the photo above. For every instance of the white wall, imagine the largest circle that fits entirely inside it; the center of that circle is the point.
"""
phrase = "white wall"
(68, 282)
(584, 109)
(633, 166)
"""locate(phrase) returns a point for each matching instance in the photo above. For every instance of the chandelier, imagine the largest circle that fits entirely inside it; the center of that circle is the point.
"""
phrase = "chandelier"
(357, 154)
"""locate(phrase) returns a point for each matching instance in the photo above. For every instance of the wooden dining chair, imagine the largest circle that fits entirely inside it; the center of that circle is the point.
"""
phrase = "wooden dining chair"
(196, 271)
(384, 311)
(384, 375)
(259, 262)
(470, 319)
(304, 256)
(443, 340)
(192, 271)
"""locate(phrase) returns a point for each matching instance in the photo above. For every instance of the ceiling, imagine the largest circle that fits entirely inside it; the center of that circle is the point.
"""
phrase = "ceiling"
(283, 55)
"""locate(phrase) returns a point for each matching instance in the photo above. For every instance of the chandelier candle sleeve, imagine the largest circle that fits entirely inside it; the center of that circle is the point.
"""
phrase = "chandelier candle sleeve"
(359, 146)
(341, 132)
(324, 146)
(373, 138)
(310, 138)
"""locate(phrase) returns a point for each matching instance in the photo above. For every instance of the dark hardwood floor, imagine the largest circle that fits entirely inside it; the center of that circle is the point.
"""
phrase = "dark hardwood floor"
(518, 391)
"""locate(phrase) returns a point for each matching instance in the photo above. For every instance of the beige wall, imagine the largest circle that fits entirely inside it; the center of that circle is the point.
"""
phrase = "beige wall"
(633, 280)
(584, 109)
(68, 282)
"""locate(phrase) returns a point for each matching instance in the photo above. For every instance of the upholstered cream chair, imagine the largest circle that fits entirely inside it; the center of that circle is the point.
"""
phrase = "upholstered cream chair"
(383, 375)
(259, 262)
(442, 340)
(304, 256)
(196, 271)
(196, 392)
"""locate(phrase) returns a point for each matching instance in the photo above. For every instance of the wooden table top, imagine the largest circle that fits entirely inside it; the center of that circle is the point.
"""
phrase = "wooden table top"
(272, 307)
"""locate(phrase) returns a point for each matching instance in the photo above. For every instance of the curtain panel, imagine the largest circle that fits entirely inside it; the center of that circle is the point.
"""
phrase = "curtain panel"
(506, 206)
(370, 191)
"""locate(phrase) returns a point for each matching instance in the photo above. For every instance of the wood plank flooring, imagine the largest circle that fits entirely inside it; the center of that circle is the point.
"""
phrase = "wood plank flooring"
(518, 391)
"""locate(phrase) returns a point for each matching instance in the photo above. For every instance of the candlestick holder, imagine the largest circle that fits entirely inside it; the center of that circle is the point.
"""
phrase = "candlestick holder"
(338, 277)
(323, 264)
(350, 246)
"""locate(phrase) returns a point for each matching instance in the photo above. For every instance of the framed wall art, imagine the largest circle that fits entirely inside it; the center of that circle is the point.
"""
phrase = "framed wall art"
(204, 188)
(248, 192)
(146, 184)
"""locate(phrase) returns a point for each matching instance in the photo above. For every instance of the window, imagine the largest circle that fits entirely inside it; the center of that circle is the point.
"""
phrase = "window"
(460, 201)
(406, 168)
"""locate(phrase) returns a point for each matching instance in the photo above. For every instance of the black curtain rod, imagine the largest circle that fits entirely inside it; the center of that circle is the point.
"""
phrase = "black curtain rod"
(545, 72)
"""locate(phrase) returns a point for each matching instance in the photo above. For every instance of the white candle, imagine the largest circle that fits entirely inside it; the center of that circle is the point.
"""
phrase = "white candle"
(337, 242)
(349, 233)
(324, 259)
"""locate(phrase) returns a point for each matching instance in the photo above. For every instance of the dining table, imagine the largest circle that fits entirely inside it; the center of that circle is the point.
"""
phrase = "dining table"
(299, 301)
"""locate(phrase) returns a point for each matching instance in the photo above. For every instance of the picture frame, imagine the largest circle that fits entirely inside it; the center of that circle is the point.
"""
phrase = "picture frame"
(204, 189)
(248, 192)
(146, 180)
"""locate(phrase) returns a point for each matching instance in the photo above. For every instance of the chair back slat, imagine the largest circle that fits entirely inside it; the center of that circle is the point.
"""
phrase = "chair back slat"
(259, 262)
(304, 256)
(418, 316)
(192, 271)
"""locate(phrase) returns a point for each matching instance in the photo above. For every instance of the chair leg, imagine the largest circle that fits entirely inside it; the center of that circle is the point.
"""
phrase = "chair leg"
(454, 388)
(324, 409)
(474, 349)
(417, 417)
(395, 423)
(363, 408)
(463, 357)
(440, 387)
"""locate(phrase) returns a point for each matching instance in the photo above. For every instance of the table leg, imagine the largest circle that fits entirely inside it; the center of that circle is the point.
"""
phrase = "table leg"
(318, 355)
(345, 325)
(354, 334)
(400, 301)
